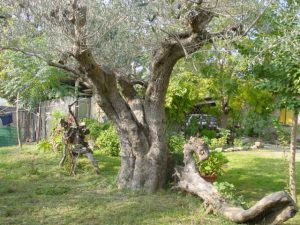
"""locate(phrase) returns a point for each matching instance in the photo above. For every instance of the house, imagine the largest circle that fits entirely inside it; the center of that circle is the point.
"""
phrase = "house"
(286, 119)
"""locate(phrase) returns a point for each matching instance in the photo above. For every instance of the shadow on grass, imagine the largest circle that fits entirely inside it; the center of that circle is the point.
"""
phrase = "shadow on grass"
(259, 176)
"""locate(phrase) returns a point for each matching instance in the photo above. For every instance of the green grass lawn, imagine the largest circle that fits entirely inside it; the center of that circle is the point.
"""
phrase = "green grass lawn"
(34, 190)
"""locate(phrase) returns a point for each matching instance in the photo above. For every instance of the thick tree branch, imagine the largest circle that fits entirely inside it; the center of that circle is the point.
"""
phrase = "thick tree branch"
(272, 209)
(133, 100)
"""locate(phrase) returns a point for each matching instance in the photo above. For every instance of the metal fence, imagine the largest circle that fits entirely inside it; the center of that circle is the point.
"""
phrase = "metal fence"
(8, 136)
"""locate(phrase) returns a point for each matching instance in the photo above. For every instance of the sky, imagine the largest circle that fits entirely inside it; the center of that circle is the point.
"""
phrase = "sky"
(3, 102)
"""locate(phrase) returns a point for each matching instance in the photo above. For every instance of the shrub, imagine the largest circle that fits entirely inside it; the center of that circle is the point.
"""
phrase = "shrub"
(210, 134)
(192, 127)
(257, 125)
(176, 143)
(56, 139)
(220, 142)
(228, 190)
(238, 142)
(44, 145)
(95, 127)
(108, 142)
(213, 165)
(56, 116)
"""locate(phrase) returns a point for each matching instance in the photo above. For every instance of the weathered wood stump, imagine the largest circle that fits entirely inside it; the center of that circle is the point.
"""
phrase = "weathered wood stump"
(272, 209)
(75, 144)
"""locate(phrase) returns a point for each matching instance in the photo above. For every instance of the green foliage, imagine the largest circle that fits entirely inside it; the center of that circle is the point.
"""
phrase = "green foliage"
(256, 125)
(56, 116)
(176, 143)
(44, 145)
(105, 136)
(282, 134)
(217, 143)
(228, 191)
(275, 53)
(220, 142)
(95, 127)
(237, 142)
(53, 190)
(56, 138)
(34, 80)
(192, 128)
(56, 135)
(210, 134)
(183, 93)
(214, 165)
(108, 142)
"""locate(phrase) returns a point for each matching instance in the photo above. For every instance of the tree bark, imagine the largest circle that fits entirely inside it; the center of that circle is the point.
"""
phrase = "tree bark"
(292, 160)
(225, 112)
(272, 209)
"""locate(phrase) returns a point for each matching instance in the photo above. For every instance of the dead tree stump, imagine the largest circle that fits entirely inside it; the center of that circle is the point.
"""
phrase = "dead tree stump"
(75, 144)
(272, 209)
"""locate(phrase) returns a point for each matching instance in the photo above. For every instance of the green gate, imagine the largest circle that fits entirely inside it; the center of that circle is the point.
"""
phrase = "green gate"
(8, 136)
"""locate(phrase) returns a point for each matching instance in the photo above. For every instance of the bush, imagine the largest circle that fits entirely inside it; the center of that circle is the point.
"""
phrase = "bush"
(176, 143)
(192, 128)
(256, 125)
(228, 190)
(44, 145)
(56, 116)
(108, 142)
(238, 142)
(213, 165)
(210, 134)
(220, 142)
(95, 127)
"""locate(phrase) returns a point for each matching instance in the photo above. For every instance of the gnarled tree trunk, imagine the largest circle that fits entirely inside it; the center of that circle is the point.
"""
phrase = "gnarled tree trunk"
(140, 122)
(272, 209)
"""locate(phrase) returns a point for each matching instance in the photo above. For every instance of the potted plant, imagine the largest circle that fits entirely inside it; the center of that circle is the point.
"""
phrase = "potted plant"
(213, 166)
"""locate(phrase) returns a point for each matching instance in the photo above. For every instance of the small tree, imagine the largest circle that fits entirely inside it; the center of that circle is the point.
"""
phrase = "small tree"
(277, 67)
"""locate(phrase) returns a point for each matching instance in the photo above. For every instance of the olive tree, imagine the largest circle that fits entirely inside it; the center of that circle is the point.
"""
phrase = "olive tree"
(106, 43)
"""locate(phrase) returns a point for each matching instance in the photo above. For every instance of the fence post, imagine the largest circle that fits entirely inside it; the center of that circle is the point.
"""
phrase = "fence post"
(76, 110)
(18, 123)
(38, 125)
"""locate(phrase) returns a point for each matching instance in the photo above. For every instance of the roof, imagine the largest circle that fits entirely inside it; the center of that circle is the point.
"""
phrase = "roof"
(206, 102)
(6, 109)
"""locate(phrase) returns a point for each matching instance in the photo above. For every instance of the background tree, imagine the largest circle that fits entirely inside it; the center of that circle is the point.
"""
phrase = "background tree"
(275, 49)
(222, 75)
(33, 79)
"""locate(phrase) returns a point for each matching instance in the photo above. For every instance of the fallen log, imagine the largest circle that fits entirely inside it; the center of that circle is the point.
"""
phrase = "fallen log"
(273, 209)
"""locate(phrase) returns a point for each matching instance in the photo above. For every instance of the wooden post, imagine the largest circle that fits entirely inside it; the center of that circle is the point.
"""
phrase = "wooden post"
(292, 163)
(76, 110)
(45, 124)
(38, 125)
(18, 123)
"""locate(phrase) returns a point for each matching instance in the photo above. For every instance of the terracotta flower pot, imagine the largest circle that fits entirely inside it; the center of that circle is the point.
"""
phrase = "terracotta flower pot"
(209, 178)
